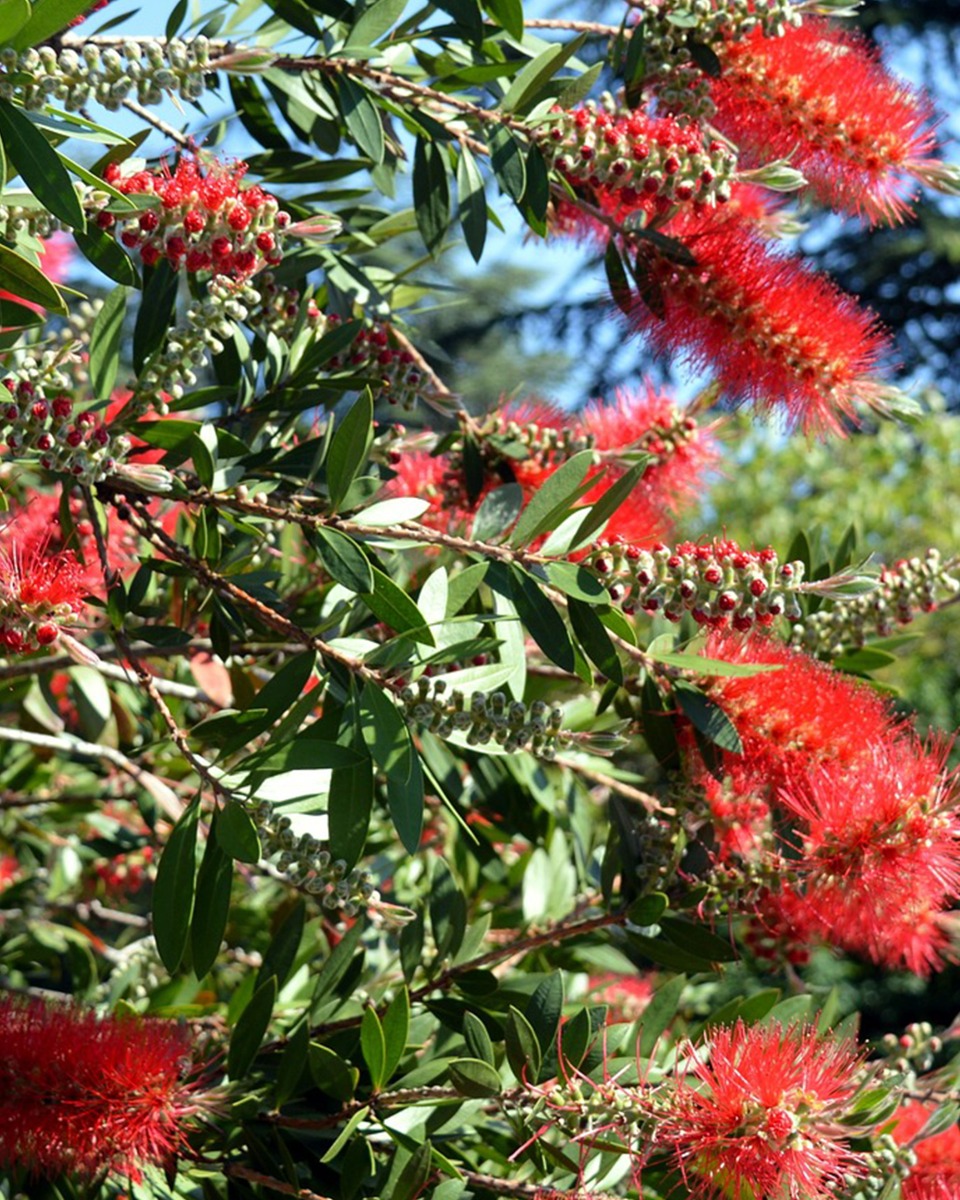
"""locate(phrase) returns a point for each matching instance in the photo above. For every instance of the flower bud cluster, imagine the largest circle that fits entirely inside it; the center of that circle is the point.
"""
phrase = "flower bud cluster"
(638, 156)
(545, 442)
(717, 584)
(672, 73)
(146, 71)
(203, 219)
(915, 1049)
(487, 717)
(207, 324)
(309, 866)
(280, 308)
(37, 420)
(881, 1165)
(909, 587)
(370, 353)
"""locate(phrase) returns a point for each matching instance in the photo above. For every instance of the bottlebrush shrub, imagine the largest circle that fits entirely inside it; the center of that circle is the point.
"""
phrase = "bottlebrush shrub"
(483, 814)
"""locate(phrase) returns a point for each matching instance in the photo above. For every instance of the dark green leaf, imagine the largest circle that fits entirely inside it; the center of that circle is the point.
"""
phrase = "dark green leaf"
(374, 21)
(237, 833)
(414, 1176)
(173, 892)
(212, 907)
(708, 717)
(697, 940)
(507, 161)
(105, 343)
(348, 810)
(508, 14)
(431, 193)
(99, 248)
(28, 283)
(475, 1078)
(472, 201)
(349, 447)
(620, 290)
(554, 499)
(497, 512)
(867, 658)
(396, 1028)
(711, 666)
(658, 1014)
(362, 119)
(576, 581)
(544, 1010)
(343, 559)
(248, 1033)
(405, 797)
(705, 57)
(334, 969)
(648, 909)
(156, 314)
(615, 495)
(536, 193)
(346, 1134)
(393, 606)
(448, 910)
(48, 17)
(331, 1074)
(541, 619)
(292, 1064)
(800, 549)
(530, 81)
(592, 635)
(523, 1049)
(411, 947)
(39, 165)
(282, 952)
(374, 1047)
(14, 14)
(477, 1039)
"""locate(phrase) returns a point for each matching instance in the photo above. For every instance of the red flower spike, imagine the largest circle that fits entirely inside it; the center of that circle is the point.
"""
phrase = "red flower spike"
(86, 1095)
(760, 1117)
(820, 97)
(771, 330)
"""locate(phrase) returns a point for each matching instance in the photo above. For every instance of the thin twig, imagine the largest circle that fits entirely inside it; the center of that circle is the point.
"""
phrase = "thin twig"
(238, 1171)
(181, 139)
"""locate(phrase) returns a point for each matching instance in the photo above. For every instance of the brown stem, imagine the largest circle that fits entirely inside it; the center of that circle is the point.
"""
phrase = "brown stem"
(180, 139)
(528, 1191)
(238, 1171)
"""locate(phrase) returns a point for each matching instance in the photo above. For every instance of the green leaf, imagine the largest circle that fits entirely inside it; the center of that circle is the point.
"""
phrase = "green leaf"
(343, 559)
(620, 291)
(508, 14)
(173, 891)
(867, 658)
(711, 666)
(346, 1134)
(99, 248)
(391, 747)
(658, 1014)
(374, 1047)
(105, 343)
(349, 447)
(373, 23)
(477, 1039)
(14, 14)
(575, 1038)
(553, 500)
(391, 604)
(414, 1176)
(592, 635)
(611, 500)
(647, 910)
(523, 1049)
(431, 193)
(362, 118)
(349, 808)
(281, 954)
(543, 1011)
(292, 1064)
(542, 621)
(334, 969)
(697, 940)
(507, 161)
(475, 1078)
(497, 512)
(156, 313)
(405, 799)
(396, 1029)
(237, 833)
(250, 1029)
(538, 71)
(448, 910)
(212, 908)
(47, 18)
(27, 282)
(39, 165)
(472, 203)
(331, 1074)
(708, 717)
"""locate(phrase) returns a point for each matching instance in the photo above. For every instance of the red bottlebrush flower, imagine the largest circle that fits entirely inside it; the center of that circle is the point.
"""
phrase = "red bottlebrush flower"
(771, 330)
(206, 214)
(936, 1173)
(83, 1094)
(880, 857)
(798, 717)
(760, 1117)
(820, 96)
(40, 589)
